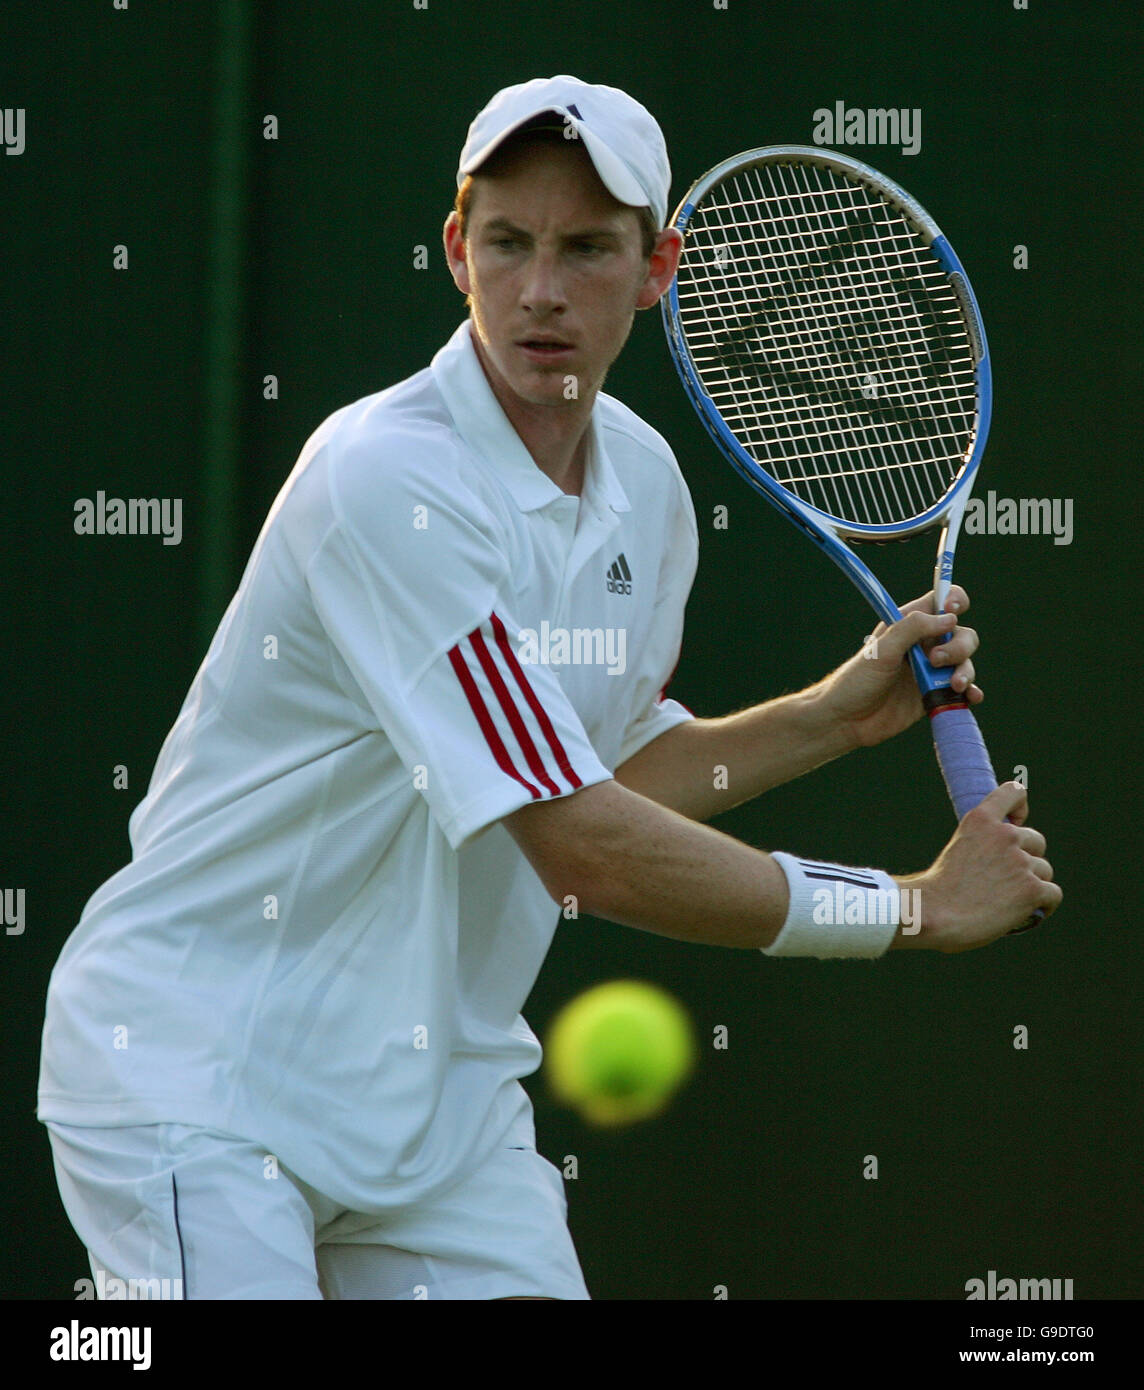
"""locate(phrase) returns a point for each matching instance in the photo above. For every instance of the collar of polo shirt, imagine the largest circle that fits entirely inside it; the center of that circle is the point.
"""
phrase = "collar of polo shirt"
(484, 426)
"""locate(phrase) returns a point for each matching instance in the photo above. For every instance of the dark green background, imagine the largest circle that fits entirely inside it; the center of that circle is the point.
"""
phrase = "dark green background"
(1026, 1162)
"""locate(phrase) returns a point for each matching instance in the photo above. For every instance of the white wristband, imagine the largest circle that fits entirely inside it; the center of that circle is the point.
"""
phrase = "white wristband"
(836, 912)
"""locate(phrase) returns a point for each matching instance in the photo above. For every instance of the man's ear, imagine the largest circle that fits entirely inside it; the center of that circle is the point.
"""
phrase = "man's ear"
(455, 253)
(662, 265)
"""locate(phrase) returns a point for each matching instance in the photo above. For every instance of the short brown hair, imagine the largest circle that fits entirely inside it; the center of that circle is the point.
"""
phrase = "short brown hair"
(539, 131)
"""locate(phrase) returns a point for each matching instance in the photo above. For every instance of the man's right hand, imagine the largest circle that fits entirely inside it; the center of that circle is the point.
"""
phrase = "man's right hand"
(988, 880)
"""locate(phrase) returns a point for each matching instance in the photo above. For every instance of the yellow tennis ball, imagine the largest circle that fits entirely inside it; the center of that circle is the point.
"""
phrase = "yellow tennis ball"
(618, 1052)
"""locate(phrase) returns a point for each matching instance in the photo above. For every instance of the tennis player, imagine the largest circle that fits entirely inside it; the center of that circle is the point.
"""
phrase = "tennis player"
(283, 1047)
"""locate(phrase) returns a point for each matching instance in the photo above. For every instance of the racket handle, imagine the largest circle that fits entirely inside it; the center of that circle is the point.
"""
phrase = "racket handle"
(961, 750)
(964, 760)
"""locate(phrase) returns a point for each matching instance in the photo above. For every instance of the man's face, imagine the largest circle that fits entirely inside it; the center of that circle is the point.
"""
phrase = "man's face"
(555, 270)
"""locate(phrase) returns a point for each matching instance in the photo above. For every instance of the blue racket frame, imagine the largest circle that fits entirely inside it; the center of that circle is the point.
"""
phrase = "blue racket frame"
(823, 529)
(961, 751)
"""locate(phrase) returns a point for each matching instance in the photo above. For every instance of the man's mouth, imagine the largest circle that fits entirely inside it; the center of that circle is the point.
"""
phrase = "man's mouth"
(544, 347)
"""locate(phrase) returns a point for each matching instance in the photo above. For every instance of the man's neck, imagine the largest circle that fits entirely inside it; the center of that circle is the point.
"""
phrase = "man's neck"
(555, 436)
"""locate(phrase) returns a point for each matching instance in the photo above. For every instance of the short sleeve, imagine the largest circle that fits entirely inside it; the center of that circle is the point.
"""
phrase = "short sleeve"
(653, 711)
(413, 586)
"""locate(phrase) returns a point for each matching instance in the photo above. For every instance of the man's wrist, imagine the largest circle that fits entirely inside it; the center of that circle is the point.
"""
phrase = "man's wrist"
(826, 730)
(835, 912)
(916, 928)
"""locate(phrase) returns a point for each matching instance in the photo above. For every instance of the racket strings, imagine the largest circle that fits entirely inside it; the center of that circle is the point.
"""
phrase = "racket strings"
(811, 299)
(845, 288)
(829, 338)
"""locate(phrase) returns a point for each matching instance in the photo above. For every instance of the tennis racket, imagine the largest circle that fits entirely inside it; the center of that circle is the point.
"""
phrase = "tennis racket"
(827, 335)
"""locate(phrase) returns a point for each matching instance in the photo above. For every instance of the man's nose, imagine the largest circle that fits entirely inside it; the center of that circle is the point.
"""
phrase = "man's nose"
(543, 287)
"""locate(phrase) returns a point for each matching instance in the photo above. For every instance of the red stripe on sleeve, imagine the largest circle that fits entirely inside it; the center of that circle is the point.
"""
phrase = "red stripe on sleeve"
(534, 704)
(484, 719)
(512, 714)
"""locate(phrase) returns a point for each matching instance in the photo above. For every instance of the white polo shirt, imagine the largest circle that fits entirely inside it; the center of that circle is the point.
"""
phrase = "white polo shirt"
(324, 938)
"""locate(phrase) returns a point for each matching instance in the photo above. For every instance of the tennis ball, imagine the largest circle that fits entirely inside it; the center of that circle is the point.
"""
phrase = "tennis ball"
(618, 1052)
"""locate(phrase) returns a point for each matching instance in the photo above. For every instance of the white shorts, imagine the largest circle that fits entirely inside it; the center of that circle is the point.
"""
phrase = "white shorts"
(175, 1211)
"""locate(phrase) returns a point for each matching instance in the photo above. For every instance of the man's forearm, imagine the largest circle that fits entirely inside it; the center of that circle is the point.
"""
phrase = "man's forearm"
(622, 858)
(707, 766)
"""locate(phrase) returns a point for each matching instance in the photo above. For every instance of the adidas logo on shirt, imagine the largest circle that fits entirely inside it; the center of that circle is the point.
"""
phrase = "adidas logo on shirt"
(619, 576)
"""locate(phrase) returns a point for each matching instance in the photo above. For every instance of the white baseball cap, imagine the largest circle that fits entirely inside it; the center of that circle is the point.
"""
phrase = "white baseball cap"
(622, 137)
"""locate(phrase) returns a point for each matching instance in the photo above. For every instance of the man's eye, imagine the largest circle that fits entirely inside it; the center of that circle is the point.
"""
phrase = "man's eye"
(586, 248)
(506, 243)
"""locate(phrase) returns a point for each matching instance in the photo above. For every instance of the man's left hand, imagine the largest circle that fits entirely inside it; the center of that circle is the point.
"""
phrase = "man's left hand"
(875, 695)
